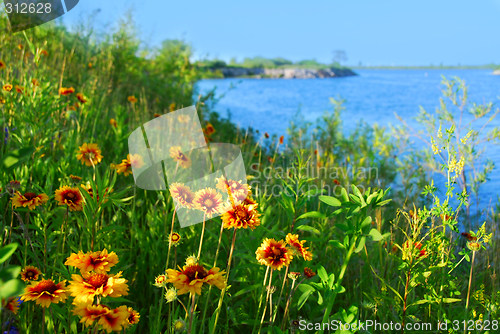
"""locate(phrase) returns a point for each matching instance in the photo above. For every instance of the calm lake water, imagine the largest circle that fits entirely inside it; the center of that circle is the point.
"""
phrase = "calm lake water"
(373, 96)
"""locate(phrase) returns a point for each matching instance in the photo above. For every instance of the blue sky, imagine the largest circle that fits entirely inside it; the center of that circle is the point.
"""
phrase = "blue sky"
(374, 32)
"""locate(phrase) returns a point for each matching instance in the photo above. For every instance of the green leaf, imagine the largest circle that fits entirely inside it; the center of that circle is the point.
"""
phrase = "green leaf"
(320, 298)
(7, 251)
(343, 193)
(361, 244)
(12, 288)
(16, 157)
(329, 200)
(303, 298)
(336, 244)
(308, 229)
(305, 287)
(9, 273)
(322, 274)
(375, 234)
(366, 222)
(451, 300)
(312, 214)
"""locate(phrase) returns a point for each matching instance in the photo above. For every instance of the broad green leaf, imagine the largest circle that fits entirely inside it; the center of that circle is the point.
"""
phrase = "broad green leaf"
(322, 274)
(12, 288)
(375, 234)
(7, 251)
(312, 214)
(320, 298)
(366, 222)
(451, 300)
(361, 244)
(303, 298)
(305, 287)
(308, 229)
(337, 244)
(329, 200)
(14, 158)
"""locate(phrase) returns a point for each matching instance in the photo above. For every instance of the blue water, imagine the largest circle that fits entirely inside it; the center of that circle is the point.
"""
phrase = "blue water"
(373, 95)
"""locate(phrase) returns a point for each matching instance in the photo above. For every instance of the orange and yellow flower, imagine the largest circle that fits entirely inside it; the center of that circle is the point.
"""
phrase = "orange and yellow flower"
(44, 52)
(89, 154)
(241, 216)
(160, 281)
(81, 98)
(182, 194)
(237, 190)
(7, 87)
(109, 319)
(12, 304)
(175, 238)
(35, 82)
(88, 285)
(209, 129)
(132, 319)
(274, 254)
(30, 273)
(29, 199)
(45, 292)
(2, 65)
(19, 89)
(183, 160)
(209, 201)
(133, 160)
(66, 91)
(100, 262)
(113, 123)
(71, 197)
(298, 246)
(309, 272)
(132, 99)
(191, 278)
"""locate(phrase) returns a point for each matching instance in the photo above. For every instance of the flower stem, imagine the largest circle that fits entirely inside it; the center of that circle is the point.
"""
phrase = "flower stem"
(267, 299)
(470, 283)
(191, 314)
(202, 234)
(169, 239)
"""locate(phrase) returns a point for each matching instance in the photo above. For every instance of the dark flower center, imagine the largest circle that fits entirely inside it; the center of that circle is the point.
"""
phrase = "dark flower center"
(98, 280)
(208, 203)
(241, 213)
(195, 272)
(30, 274)
(46, 286)
(276, 254)
(29, 196)
(70, 196)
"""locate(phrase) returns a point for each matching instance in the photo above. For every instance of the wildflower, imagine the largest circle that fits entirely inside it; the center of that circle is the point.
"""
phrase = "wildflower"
(45, 292)
(132, 99)
(209, 130)
(100, 262)
(7, 87)
(2, 101)
(89, 313)
(113, 123)
(19, 89)
(175, 238)
(75, 179)
(179, 326)
(35, 82)
(298, 246)
(467, 136)
(208, 200)
(88, 285)
(66, 91)
(156, 115)
(12, 304)
(30, 273)
(182, 194)
(133, 160)
(172, 106)
(183, 160)
(132, 319)
(271, 289)
(241, 216)
(266, 135)
(71, 197)
(44, 52)
(2, 65)
(282, 139)
(183, 118)
(440, 132)
(109, 319)
(81, 98)
(171, 295)
(20, 46)
(13, 186)
(294, 275)
(160, 281)
(90, 65)
(309, 272)
(336, 182)
(238, 190)
(274, 254)
(191, 278)
(89, 154)
(294, 324)
(473, 246)
(469, 236)
(90, 191)
(29, 199)
(191, 259)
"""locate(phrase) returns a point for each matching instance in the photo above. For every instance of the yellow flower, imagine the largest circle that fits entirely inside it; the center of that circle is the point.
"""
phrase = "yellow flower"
(191, 259)
(191, 278)
(209, 201)
(89, 154)
(172, 106)
(29, 199)
(85, 287)
(209, 130)
(274, 254)
(171, 295)
(179, 326)
(183, 118)
(113, 123)
(182, 194)
(132, 99)
(12, 304)
(183, 160)
(175, 238)
(30, 273)
(99, 262)
(45, 292)
(160, 281)
(109, 319)
(132, 319)
(81, 98)
(71, 197)
(7, 87)
(241, 216)
(298, 246)
(134, 160)
(66, 91)
(2, 65)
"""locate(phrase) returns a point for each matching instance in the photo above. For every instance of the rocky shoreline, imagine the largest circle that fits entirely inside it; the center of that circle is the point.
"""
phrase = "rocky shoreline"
(496, 72)
(284, 73)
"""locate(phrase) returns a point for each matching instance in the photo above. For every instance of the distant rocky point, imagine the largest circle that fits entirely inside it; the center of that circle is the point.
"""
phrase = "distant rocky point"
(285, 73)
(496, 72)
